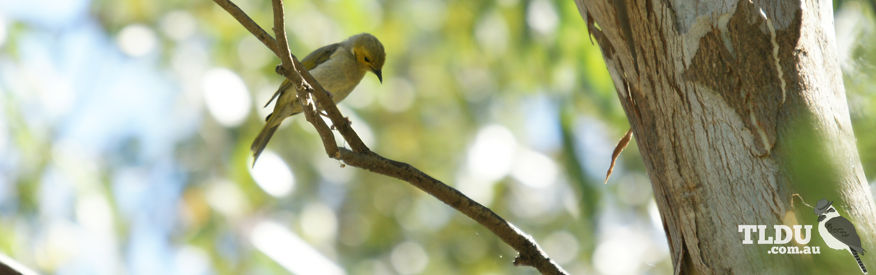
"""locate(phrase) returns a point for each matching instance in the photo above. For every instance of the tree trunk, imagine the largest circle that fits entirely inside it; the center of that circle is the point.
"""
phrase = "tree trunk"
(735, 106)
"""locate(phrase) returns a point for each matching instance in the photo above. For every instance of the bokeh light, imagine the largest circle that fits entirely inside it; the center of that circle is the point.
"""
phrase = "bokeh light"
(492, 153)
(409, 258)
(227, 199)
(542, 17)
(290, 251)
(178, 25)
(272, 174)
(226, 96)
(3, 31)
(125, 129)
(137, 40)
(318, 223)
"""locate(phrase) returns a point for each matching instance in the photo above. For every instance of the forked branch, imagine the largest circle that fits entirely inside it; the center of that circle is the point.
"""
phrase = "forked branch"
(309, 90)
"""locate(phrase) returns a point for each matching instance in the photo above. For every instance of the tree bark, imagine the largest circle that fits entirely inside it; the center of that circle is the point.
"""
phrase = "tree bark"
(735, 106)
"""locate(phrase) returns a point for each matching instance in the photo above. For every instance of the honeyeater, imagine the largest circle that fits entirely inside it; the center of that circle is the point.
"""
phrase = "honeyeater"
(337, 67)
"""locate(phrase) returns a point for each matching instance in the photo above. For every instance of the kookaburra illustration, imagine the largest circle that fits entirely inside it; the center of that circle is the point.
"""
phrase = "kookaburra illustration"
(838, 232)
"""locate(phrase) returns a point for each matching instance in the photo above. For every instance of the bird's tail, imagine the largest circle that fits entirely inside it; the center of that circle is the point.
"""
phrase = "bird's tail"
(258, 145)
(858, 259)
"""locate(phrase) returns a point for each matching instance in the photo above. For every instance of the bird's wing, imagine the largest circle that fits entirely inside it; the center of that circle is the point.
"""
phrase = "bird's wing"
(844, 231)
(319, 56)
(309, 62)
(286, 84)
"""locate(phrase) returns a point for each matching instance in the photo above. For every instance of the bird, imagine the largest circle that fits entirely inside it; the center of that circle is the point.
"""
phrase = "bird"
(838, 232)
(338, 67)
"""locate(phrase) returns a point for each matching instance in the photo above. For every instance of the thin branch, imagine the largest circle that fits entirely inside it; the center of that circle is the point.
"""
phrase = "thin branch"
(286, 57)
(325, 133)
(249, 24)
(9, 266)
(322, 98)
(302, 86)
(280, 32)
(530, 253)
(312, 116)
(308, 88)
(341, 123)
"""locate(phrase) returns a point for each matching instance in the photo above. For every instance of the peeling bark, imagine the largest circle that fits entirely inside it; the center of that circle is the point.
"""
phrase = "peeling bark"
(735, 106)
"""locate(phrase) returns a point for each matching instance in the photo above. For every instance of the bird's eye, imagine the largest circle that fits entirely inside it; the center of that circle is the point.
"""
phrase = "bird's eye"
(830, 210)
(367, 60)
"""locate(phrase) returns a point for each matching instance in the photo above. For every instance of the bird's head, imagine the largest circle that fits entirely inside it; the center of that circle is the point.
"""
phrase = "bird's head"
(369, 53)
(830, 213)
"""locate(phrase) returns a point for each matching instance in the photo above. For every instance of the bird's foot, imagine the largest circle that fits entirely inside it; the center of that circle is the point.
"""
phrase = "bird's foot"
(280, 70)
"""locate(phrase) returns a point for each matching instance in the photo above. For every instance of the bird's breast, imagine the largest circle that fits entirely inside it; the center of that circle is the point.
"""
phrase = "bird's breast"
(339, 75)
(828, 238)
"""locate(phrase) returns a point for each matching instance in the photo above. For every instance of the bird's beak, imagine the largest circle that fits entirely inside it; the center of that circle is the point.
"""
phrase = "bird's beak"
(379, 74)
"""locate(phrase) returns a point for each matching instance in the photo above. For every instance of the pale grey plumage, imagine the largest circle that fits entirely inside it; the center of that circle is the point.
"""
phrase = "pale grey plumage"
(337, 67)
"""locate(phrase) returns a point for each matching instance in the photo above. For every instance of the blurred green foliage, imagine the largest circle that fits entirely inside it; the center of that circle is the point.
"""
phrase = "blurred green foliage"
(516, 84)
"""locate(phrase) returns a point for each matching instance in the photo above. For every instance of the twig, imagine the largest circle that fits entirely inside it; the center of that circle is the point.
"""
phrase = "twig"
(307, 87)
(310, 84)
(530, 253)
(624, 141)
(249, 24)
(9, 266)
(796, 195)
(280, 31)
(302, 86)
